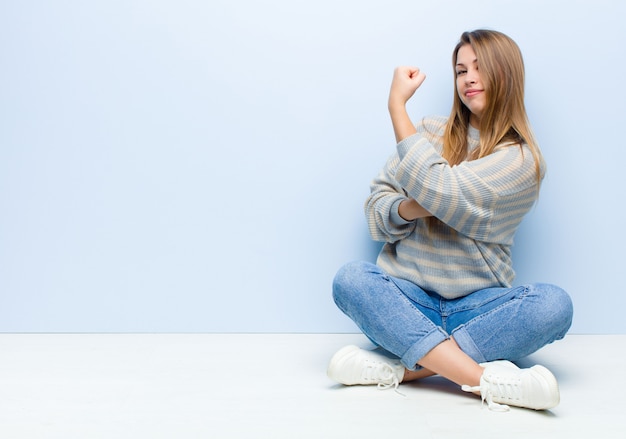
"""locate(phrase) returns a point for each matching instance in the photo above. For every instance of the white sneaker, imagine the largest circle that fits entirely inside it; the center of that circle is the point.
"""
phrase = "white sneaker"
(503, 382)
(352, 365)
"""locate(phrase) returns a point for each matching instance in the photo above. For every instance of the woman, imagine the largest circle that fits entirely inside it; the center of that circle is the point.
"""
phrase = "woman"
(447, 204)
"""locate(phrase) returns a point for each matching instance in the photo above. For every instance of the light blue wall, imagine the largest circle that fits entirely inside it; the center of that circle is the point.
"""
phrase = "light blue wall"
(201, 165)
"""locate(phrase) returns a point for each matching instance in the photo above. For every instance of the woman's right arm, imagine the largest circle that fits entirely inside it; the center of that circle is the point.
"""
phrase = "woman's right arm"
(406, 80)
(382, 206)
(390, 212)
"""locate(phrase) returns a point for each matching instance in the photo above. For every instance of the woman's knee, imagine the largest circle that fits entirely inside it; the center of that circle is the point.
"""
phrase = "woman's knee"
(343, 282)
(557, 307)
(349, 281)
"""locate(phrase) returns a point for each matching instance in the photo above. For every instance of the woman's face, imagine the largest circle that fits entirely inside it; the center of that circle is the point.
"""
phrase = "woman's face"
(469, 86)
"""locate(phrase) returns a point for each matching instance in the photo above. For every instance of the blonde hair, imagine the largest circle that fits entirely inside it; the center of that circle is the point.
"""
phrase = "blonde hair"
(504, 118)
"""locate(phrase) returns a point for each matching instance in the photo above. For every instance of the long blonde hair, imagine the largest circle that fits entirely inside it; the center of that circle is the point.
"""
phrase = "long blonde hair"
(504, 118)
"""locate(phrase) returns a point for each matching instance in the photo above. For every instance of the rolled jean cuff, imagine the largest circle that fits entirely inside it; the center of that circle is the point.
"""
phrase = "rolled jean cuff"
(467, 345)
(416, 352)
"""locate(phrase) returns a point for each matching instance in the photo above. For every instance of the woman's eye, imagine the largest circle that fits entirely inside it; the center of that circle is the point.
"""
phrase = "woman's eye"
(460, 72)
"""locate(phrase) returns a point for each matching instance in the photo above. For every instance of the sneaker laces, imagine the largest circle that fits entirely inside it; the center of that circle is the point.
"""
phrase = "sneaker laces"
(385, 375)
(382, 374)
(487, 395)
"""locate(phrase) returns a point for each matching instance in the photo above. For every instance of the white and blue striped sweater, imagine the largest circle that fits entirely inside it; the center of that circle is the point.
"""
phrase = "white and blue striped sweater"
(479, 205)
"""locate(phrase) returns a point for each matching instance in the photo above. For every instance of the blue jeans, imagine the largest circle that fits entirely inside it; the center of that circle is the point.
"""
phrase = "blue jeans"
(490, 324)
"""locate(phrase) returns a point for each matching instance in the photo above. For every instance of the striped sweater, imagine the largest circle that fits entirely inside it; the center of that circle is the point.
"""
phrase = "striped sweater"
(478, 205)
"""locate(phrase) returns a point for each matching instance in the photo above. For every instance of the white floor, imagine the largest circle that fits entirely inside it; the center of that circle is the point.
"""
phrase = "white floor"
(274, 386)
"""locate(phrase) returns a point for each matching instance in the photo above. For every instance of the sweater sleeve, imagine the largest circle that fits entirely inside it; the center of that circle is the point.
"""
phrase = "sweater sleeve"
(484, 199)
(382, 204)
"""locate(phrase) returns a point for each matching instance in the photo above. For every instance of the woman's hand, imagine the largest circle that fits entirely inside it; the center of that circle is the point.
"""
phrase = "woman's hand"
(405, 81)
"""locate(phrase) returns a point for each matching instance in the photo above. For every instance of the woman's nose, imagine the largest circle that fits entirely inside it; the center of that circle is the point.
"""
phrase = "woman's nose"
(470, 77)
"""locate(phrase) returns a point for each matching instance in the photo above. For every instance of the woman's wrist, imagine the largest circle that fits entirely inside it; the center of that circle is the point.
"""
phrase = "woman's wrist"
(404, 210)
(396, 104)
(410, 210)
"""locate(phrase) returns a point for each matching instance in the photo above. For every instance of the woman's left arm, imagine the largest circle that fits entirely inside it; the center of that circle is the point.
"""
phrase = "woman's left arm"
(410, 210)
(484, 199)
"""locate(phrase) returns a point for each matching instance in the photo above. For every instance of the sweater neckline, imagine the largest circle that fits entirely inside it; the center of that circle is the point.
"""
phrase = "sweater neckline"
(474, 133)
